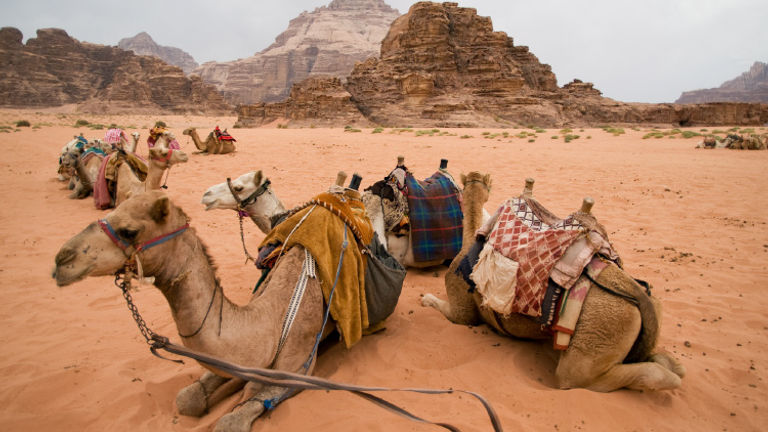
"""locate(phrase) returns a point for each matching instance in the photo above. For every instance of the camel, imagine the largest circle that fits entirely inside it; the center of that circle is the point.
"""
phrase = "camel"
(160, 159)
(399, 246)
(207, 321)
(263, 208)
(211, 145)
(83, 174)
(604, 335)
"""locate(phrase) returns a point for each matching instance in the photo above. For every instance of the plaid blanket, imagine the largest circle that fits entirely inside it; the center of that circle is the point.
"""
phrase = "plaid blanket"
(436, 218)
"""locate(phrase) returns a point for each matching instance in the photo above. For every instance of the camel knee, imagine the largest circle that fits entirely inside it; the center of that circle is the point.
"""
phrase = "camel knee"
(429, 300)
(194, 399)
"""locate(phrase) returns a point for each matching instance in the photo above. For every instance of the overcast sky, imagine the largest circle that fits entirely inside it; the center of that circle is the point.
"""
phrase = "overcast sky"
(633, 51)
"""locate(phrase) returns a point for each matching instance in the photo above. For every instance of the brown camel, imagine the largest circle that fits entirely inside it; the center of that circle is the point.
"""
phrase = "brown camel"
(211, 145)
(604, 335)
(160, 159)
(247, 335)
(83, 174)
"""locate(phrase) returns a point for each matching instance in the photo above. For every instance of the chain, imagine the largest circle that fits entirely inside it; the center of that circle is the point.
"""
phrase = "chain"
(123, 282)
(248, 256)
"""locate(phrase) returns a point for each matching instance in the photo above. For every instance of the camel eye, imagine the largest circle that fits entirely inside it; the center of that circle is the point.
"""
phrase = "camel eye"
(128, 234)
(238, 188)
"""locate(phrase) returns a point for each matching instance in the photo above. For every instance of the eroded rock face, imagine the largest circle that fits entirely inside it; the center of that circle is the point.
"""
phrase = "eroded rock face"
(751, 86)
(443, 66)
(143, 44)
(316, 101)
(327, 41)
(54, 69)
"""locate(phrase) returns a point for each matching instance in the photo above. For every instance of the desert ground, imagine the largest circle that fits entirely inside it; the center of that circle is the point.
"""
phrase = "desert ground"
(691, 222)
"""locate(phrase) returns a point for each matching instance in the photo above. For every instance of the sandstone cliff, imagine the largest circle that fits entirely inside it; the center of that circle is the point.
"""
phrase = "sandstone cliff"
(54, 69)
(442, 65)
(143, 44)
(327, 41)
(751, 86)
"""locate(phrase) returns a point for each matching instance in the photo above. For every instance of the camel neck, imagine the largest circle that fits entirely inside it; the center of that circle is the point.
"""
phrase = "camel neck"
(263, 209)
(472, 206)
(154, 176)
(85, 179)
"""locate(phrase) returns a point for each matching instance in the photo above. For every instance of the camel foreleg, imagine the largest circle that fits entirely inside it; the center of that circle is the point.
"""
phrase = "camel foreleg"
(195, 399)
(642, 376)
(460, 307)
(250, 409)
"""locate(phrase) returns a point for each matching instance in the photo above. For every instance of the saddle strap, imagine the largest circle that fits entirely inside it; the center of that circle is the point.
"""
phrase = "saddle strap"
(308, 270)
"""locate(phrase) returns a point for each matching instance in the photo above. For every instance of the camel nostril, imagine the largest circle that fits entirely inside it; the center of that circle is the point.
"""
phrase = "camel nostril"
(65, 256)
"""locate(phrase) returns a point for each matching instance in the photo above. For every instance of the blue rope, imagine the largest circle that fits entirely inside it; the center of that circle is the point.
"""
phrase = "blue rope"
(270, 404)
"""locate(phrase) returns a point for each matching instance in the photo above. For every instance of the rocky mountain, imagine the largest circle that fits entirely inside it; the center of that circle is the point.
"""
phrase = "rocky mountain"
(143, 44)
(54, 69)
(443, 66)
(326, 41)
(751, 86)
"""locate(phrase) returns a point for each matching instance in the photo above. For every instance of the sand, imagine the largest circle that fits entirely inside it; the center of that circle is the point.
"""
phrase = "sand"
(689, 221)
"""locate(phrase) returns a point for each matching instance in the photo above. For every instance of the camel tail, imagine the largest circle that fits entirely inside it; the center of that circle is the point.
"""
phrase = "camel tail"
(616, 281)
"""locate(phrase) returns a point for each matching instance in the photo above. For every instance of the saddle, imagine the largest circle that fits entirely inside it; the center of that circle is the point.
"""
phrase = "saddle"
(528, 261)
(223, 135)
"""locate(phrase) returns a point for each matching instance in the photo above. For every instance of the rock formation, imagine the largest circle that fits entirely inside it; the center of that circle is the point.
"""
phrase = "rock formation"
(327, 41)
(54, 69)
(443, 66)
(751, 86)
(143, 44)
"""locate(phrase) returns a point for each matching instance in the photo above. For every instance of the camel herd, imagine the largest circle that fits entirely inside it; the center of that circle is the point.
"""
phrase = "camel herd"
(612, 344)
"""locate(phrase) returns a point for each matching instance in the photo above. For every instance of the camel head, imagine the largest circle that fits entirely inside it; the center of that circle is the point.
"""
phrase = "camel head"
(165, 157)
(69, 160)
(477, 185)
(188, 130)
(139, 219)
(220, 197)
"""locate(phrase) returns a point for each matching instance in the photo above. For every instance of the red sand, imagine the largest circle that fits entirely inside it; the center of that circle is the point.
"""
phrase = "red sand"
(689, 221)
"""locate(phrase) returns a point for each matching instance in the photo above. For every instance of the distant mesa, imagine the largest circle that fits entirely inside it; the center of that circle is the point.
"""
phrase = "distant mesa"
(751, 86)
(54, 69)
(143, 44)
(326, 41)
(441, 65)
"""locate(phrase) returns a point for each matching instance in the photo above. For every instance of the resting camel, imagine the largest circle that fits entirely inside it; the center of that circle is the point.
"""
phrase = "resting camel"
(604, 335)
(399, 246)
(262, 208)
(211, 145)
(83, 174)
(160, 159)
(207, 321)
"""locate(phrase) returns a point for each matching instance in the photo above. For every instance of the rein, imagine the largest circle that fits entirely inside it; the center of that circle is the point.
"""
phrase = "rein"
(242, 212)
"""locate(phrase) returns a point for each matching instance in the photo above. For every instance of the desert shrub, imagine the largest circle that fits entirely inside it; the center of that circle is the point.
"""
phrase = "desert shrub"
(566, 131)
(466, 136)
(690, 134)
(486, 133)
(589, 136)
(82, 122)
(570, 137)
(531, 140)
(613, 130)
(505, 134)
(22, 123)
(429, 132)
(96, 126)
(555, 137)
(539, 130)
(748, 131)
(351, 129)
(377, 130)
(284, 126)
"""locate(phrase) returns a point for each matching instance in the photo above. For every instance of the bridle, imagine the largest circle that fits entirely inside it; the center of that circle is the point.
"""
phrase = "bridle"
(168, 165)
(242, 212)
(132, 265)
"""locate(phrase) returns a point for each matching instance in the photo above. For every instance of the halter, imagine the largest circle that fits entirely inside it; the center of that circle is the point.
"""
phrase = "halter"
(167, 160)
(242, 212)
(124, 245)
(241, 204)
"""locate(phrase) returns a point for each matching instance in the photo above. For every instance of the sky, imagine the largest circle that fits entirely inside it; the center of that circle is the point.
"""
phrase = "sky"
(633, 51)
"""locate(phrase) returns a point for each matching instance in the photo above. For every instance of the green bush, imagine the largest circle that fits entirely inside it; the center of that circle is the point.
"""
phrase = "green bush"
(377, 130)
(466, 136)
(82, 122)
(690, 134)
(22, 123)
(570, 137)
(555, 137)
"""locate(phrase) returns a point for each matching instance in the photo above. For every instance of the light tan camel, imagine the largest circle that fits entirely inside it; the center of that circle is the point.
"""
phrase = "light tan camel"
(246, 335)
(211, 145)
(605, 332)
(261, 208)
(160, 159)
(82, 174)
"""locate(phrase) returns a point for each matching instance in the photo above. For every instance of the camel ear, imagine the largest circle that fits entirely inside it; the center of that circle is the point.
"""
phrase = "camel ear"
(463, 179)
(487, 180)
(160, 209)
(257, 178)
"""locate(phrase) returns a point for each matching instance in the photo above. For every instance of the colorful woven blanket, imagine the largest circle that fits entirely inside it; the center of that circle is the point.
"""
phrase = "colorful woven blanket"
(521, 235)
(114, 136)
(436, 218)
(223, 135)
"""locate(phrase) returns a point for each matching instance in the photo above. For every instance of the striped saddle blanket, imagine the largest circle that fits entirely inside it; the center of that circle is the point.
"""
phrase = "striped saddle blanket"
(435, 215)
